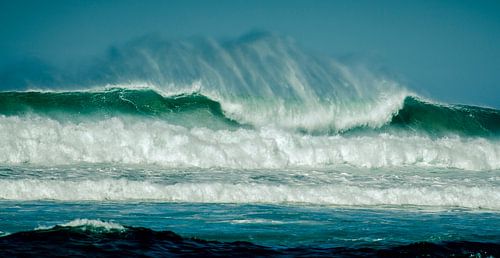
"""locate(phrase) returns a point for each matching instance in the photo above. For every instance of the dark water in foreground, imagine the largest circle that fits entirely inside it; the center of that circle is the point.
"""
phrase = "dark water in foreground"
(61, 241)
(197, 229)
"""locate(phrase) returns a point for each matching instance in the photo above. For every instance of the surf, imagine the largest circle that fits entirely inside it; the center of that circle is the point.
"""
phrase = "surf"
(414, 114)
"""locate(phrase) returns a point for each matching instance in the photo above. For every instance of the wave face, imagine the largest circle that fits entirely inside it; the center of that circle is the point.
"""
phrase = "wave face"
(415, 115)
(106, 103)
(435, 119)
(190, 109)
(103, 239)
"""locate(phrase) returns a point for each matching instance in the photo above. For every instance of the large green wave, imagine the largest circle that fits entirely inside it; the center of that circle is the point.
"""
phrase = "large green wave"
(436, 119)
(194, 109)
(107, 102)
(147, 103)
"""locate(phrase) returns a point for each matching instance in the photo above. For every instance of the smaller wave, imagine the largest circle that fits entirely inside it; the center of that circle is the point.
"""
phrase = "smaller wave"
(91, 225)
(485, 197)
(60, 241)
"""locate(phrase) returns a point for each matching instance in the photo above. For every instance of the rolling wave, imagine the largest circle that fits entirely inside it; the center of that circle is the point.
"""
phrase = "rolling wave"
(415, 115)
(260, 79)
(107, 103)
(256, 102)
(436, 119)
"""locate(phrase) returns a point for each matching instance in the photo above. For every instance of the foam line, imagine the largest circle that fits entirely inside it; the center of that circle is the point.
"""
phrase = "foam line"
(38, 140)
(335, 194)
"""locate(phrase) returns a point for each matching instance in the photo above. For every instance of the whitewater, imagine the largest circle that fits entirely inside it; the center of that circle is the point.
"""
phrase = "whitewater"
(248, 139)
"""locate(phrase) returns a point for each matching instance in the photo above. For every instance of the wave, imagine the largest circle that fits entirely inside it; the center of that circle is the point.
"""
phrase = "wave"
(260, 79)
(256, 102)
(89, 225)
(485, 197)
(438, 119)
(69, 238)
(38, 140)
(101, 104)
(194, 109)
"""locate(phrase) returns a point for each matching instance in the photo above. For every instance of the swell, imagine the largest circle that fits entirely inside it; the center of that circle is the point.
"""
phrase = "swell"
(93, 238)
(414, 116)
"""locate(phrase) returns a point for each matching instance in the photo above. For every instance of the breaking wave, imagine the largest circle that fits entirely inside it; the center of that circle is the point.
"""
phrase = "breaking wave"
(38, 140)
(409, 113)
(485, 197)
(256, 102)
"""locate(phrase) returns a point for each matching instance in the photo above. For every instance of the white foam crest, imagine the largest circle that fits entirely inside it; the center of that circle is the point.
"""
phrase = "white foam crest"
(190, 88)
(38, 140)
(487, 197)
(91, 225)
(313, 115)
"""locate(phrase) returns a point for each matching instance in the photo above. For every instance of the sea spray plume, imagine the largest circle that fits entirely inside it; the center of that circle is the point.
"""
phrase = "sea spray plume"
(260, 79)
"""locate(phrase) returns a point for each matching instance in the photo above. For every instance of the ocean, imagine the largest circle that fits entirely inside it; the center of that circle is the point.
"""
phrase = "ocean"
(244, 148)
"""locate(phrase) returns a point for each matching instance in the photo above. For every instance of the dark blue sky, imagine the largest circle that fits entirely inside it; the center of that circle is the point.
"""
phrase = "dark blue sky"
(447, 50)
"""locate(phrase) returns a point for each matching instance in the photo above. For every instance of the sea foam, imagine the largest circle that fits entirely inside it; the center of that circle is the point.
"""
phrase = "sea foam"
(91, 225)
(44, 141)
(487, 197)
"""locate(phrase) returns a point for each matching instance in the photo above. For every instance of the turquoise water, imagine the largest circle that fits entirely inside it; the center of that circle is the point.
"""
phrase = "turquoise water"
(270, 225)
(322, 208)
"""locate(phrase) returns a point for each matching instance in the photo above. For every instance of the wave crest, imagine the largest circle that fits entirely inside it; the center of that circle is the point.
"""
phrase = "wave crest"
(89, 225)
